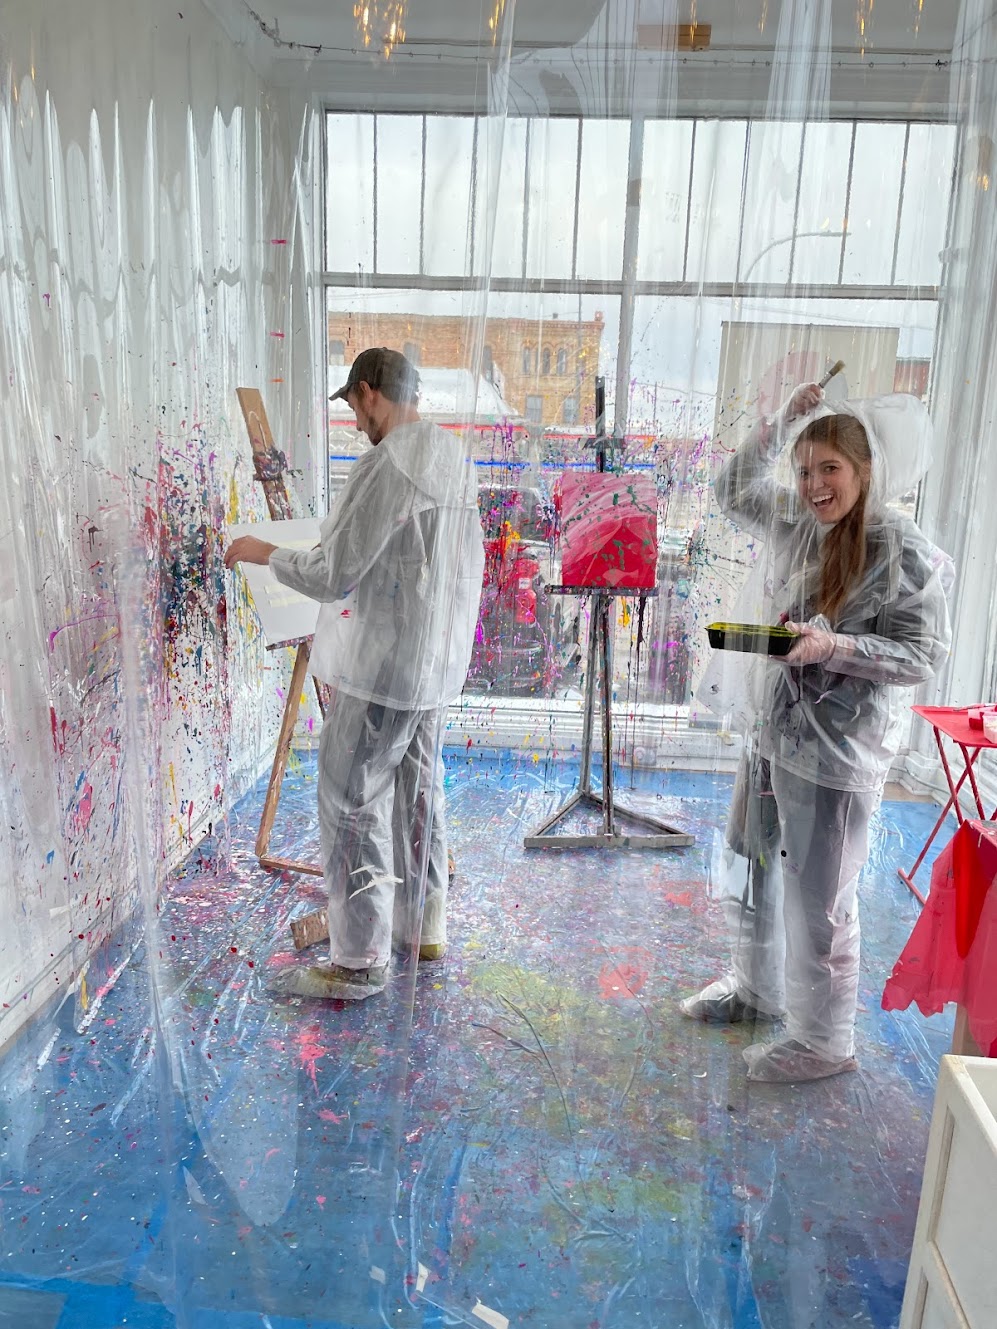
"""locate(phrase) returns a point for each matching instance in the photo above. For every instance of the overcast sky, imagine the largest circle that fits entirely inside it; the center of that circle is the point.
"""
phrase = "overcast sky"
(797, 181)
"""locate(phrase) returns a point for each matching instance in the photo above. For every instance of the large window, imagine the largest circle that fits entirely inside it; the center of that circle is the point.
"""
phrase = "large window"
(839, 203)
(837, 226)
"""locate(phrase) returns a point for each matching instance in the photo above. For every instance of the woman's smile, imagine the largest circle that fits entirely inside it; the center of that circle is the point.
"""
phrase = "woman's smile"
(829, 484)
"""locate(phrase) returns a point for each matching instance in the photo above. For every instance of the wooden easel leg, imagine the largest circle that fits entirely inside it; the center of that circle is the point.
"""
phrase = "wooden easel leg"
(291, 703)
(963, 1042)
(310, 928)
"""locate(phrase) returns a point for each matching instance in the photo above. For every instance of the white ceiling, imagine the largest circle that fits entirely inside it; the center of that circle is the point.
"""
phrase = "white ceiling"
(330, 23)
(877, 25)
(887, 52)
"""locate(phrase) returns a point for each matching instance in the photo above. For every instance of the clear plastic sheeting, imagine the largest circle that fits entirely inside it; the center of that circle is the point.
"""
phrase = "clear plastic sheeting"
(148, 268)
(959, 496)
(603, 233)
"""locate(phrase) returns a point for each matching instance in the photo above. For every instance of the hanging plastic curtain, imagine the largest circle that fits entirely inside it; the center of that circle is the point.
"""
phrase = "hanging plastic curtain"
(609, 237)
(160, 1087)
(150, 267)
(705, 254)
(958, 500)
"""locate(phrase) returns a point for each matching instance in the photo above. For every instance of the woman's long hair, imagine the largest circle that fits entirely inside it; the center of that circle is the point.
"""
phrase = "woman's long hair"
(843, 552)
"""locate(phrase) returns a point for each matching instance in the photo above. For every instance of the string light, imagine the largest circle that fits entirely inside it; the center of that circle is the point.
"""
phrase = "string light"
(984, 163)
(764, 16)
(381, 23)
(863, 20)
(495, 19)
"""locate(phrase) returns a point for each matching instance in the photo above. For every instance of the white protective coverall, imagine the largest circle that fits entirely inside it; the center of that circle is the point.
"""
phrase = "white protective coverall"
(820, 738)
(398, 571)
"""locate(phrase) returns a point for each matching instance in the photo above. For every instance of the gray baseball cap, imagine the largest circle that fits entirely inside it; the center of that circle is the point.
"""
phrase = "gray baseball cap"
(385, 370)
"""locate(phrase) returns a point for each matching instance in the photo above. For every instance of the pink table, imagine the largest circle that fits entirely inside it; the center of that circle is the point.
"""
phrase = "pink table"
(951, 955)
(952, 722)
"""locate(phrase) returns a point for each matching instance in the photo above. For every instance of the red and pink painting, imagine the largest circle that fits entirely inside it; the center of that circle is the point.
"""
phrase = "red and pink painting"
(609, 530)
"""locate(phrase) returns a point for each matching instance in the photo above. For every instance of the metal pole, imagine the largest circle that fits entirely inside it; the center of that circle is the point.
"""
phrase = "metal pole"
(608, 819)
(585, 776)
(595, 610)
(628, 294)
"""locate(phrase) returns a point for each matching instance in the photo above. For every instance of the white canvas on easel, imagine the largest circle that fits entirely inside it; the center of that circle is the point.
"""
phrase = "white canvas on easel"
(287, 618)
(285, 615)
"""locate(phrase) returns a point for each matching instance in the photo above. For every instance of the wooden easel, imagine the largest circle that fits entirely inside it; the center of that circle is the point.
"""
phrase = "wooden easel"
(269, 466)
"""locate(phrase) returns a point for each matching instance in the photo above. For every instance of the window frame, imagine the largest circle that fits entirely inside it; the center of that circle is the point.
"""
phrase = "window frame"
(627, 287)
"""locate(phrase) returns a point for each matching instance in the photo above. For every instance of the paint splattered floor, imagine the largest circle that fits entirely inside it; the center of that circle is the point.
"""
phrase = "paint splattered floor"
(528, 1129)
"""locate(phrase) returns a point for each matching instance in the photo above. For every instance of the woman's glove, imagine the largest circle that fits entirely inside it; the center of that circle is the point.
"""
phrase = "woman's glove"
(806, 398)
(814, 645)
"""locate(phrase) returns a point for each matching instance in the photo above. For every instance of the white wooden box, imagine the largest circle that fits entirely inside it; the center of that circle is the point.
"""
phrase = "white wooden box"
(952, 1281)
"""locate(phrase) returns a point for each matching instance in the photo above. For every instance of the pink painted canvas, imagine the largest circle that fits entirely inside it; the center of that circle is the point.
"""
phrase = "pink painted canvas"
(609, 530)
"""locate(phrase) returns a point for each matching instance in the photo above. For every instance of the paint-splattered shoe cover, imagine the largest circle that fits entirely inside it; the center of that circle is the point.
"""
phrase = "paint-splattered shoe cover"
(791, 1062)
(331, 981)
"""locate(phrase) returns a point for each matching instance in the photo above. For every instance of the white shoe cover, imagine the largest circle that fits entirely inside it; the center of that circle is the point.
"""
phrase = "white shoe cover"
(790, 1062)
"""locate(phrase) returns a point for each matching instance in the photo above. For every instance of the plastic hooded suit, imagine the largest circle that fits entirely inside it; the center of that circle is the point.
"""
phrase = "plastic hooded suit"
(400, 551)
(820, 738)
(838, 724)
(398, 570)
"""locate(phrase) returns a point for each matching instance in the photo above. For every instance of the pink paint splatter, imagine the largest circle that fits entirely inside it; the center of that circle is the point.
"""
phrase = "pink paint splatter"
(87, 618)
(85, 809)
(679, 897)
(310, 1050)
(621, 982)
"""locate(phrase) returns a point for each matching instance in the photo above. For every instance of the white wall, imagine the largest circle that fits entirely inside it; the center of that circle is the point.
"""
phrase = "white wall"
(155, 217)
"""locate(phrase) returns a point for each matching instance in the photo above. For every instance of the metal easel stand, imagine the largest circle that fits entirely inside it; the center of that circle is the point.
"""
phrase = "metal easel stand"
(652, 834)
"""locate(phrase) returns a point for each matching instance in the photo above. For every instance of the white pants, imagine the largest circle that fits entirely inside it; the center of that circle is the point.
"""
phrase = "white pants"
(795, 852)
(379, 771)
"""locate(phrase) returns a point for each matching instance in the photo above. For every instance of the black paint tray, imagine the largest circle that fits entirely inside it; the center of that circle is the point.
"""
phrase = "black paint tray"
(757, 638)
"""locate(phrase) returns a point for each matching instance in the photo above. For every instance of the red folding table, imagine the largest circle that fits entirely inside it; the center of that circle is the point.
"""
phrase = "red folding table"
(952, 722)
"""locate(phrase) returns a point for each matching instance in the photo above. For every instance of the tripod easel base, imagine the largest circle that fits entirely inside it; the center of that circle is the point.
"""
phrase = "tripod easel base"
(657, 835)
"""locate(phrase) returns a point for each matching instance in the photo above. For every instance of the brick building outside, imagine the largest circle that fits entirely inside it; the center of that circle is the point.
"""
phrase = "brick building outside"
(544, 371)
